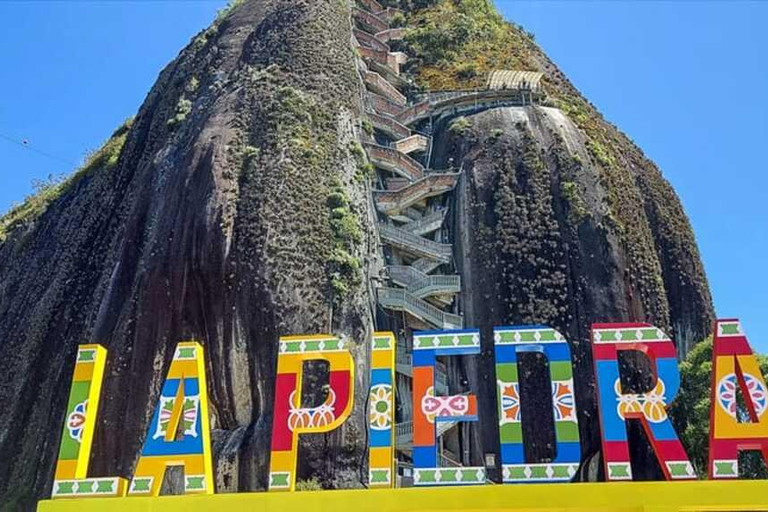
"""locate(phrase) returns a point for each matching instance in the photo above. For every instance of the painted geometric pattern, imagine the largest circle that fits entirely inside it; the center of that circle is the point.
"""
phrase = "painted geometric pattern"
(383, 342)
(310, 417)
(76, 421)
(510, 402)
(330, 344)
(729, 328)
(380, 477)
(630, 335)
(649, 407)
(190, 410)
(517, 473)
(524, 336)
(381, 413)
(185, 352)
(87, 487)
(563, 401)
(509, 343)
(732, 429)
(727, 392)
(680, 469)
(290, 419)
(449, 476)
(86, 355)
(182, 404)
(279, 480)
(726, 468)
(651, 404)
(619, 471)
(79, 424)
(194, 483)
(446, 339)
(443, 406)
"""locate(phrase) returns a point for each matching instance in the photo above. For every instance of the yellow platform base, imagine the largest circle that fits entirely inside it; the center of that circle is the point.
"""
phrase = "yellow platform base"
(696, 496)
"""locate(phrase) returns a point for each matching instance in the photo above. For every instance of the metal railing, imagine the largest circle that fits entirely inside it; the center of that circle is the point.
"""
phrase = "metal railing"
(426, 265)
(395, 161)
(404, 430)
(389, 13)
(429, 186)
(435, 285)
(405, 275)
(383, 105)
(414, 113)
(389, 125)
(422, 285)
(391, 34)
(415, 244)
(371, 5)
(404, 433)
(427, 224)
(379, 84)
(369, 40)
(411, 143)
(379, 56)
(435, 103)
(401, 300)
(368, 19)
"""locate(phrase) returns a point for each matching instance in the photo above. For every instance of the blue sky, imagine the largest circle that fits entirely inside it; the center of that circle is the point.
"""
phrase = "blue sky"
(686, 80)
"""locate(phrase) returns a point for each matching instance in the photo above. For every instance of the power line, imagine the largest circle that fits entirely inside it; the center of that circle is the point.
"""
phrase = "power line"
(25, 145)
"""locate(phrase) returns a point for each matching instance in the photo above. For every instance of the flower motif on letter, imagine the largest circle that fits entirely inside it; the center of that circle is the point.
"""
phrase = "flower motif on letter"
(727, 390)
(380, 400)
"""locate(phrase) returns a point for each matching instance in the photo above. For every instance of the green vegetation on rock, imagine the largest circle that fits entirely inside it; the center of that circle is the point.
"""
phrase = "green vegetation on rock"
(51, 188)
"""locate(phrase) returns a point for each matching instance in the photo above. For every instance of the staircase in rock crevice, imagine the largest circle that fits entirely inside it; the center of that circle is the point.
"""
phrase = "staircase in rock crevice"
(410, 219)
(411, 200)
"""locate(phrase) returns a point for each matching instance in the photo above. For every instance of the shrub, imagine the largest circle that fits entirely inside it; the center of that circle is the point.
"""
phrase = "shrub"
(312, 484)
(460, 125)
(183, 108)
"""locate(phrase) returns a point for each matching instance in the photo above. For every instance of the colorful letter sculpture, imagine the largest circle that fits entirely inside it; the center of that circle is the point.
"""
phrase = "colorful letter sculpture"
(381, 412)
(431, 413)
(615, 407)
(509, 342)
(180, 432)
(289, 418)
(71, 478)
(734, 366)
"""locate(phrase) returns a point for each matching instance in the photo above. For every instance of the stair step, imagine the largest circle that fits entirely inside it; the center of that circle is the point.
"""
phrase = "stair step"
(393, 202)
(400, 300)
(415, 244)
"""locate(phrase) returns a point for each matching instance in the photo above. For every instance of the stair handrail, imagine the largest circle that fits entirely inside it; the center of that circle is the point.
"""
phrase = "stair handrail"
(410, 239)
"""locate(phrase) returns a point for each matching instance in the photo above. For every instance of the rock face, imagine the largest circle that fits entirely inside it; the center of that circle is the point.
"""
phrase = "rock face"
(216, 225)
(537, 244)
(239, 209)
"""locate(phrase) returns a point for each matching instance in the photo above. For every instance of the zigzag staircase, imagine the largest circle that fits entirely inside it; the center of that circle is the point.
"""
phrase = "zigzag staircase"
(410, 197)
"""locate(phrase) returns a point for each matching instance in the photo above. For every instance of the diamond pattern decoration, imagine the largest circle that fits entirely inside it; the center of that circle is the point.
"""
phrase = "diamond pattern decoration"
(726, 468)
(86, 487)
(447, 339)
(449, 476)
(300, 345)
